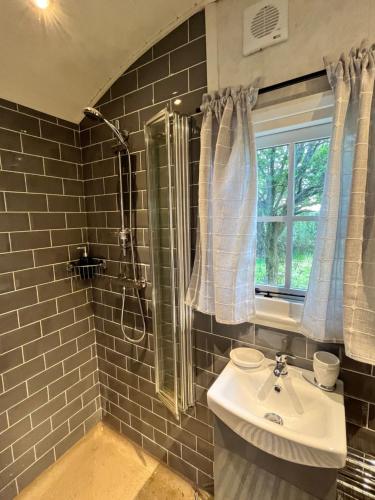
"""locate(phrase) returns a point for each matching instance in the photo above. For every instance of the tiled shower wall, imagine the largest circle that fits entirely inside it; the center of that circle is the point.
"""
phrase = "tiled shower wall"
(49, 379)
(174, 68)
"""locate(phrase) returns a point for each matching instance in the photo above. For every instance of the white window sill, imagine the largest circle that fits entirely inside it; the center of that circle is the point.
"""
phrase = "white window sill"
(278, 313)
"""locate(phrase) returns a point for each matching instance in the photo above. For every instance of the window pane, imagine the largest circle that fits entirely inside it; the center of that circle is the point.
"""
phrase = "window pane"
(311, 159)
(304, 237)
(271, 251)
(273, 180)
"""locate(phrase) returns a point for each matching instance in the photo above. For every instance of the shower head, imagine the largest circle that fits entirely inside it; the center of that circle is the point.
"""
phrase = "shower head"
(96, 115)
(93, 114)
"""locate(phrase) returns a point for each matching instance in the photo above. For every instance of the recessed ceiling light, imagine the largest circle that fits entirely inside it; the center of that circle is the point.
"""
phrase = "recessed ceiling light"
(177, 102)
(41, 4)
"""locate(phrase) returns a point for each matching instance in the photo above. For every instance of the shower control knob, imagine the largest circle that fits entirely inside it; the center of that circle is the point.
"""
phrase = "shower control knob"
(124, 233)
(132, 284)
(123, 236)
(142, 283)
(125, 134)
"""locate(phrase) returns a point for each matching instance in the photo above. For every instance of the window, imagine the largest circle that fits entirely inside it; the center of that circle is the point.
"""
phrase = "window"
(291, 170)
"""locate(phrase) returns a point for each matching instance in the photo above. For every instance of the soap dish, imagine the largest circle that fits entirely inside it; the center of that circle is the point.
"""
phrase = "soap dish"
(245, 357)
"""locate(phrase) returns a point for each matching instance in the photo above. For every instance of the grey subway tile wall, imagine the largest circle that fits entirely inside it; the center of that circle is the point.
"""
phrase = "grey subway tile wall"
(174, 67)
(49, 389)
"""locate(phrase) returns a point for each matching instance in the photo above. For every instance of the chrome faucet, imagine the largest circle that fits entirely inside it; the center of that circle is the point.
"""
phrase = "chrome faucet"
(281, 367)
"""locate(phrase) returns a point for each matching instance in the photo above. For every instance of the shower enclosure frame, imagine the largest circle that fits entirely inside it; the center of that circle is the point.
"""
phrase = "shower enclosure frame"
(176, 129)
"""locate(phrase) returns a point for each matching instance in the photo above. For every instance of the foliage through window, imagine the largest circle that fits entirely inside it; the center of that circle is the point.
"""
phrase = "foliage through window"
(291, 170)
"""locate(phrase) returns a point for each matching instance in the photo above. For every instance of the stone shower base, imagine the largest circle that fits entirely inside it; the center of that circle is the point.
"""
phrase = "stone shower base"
(106, 466)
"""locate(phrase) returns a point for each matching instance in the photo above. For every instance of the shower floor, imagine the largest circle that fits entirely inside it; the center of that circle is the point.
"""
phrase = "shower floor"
(104, 465)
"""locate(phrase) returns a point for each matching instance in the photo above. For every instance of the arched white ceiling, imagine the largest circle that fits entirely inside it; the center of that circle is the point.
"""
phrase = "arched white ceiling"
(67, 58)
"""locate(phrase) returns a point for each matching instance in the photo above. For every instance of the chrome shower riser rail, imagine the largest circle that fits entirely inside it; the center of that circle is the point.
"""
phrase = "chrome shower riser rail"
(126, 238)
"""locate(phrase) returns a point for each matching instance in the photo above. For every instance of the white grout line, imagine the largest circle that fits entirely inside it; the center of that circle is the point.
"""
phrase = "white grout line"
(34, 155)
(156, 429)
(38, 118)
(47, 317)
(54, 446)
(47, 387)
(145, 107)
(153, 60)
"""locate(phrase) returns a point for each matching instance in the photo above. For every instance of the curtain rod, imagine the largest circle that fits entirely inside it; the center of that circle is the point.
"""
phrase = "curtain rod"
(287, 83)
(293, 81)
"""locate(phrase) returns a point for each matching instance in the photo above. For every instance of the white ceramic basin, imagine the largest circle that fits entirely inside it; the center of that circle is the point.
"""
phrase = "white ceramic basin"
(313, 429)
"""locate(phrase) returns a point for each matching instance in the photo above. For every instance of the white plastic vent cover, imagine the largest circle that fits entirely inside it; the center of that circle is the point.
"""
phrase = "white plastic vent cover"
(264, 23)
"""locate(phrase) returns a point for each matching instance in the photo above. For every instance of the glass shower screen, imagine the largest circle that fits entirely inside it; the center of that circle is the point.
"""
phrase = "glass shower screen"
(167, 136)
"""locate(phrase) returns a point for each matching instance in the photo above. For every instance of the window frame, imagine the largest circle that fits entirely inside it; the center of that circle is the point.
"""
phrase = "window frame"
(290, 137)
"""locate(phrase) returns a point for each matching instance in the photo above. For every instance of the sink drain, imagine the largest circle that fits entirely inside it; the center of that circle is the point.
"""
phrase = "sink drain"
(274, 417)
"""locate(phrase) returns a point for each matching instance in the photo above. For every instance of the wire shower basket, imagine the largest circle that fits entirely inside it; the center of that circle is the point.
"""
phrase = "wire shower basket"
(95, 267)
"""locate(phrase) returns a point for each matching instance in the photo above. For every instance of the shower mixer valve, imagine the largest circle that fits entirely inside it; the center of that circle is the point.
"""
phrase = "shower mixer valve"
(129, 283)
(124, 236)
(124, 233)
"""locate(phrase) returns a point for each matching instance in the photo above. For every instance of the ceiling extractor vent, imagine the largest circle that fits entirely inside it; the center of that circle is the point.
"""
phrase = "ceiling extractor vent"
(265, 24)
(265, 21)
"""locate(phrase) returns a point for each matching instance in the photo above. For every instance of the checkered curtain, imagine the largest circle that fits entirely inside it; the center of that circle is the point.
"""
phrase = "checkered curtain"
(340, 303)
(222, 282)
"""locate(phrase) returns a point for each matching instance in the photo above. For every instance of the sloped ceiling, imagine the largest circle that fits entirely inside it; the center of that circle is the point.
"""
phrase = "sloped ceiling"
(64, 58)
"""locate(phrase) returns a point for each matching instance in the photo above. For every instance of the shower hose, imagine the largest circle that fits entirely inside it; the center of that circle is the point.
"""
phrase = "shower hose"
(123, 252)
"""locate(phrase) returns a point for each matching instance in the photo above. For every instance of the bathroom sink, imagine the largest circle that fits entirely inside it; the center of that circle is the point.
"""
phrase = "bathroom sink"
(296, 421)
